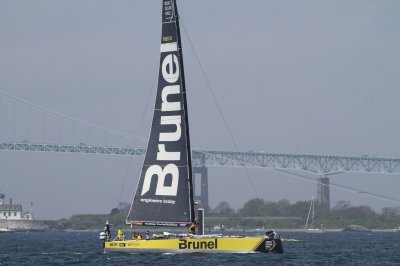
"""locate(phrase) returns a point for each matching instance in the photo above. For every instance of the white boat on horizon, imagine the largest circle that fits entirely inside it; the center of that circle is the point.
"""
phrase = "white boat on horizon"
(6, 230)
(314, 228)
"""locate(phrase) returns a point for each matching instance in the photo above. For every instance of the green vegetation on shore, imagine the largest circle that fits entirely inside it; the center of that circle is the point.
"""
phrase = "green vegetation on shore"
(90, 221)
(257, 213)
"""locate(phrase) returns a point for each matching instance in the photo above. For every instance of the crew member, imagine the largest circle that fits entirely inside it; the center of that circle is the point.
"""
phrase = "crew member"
(270, 234)
(192, 228)
(120, 234)
(139, 237)
(107, 231)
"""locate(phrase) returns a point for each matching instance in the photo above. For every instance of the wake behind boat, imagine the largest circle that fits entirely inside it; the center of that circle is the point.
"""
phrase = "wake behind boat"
(164, 196)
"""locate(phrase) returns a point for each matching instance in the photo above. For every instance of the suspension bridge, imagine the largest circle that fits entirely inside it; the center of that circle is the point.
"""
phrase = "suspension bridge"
(320, 165)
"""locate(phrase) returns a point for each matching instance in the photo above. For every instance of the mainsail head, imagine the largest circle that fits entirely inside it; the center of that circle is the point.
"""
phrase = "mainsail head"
(164, 196)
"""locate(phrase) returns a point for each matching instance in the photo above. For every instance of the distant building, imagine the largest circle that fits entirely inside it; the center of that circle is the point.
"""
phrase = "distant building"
(12, 211)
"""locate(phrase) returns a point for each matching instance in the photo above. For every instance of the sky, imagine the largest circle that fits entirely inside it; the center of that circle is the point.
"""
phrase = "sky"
(304, 77)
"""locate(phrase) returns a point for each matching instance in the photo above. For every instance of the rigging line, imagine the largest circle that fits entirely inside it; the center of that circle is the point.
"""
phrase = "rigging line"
(217, 104)
(67, 118)
(138, 132)
(125, 178)
(340, 187)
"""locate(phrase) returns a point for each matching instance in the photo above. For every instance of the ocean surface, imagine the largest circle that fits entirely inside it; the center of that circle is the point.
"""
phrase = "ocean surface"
(84, 248)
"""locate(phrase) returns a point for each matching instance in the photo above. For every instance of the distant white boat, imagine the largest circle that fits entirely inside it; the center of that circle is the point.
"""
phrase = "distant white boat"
(314, 228)
(5, 230)
(397, 230)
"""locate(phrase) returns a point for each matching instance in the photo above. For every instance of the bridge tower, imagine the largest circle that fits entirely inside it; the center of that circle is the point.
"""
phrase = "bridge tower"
(202, 173)
(323, 194)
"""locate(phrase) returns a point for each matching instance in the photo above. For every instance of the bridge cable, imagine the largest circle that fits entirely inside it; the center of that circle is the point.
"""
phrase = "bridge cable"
(65, 117)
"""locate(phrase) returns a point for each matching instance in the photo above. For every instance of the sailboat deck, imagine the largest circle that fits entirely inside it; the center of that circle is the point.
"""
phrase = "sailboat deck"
(194, 243)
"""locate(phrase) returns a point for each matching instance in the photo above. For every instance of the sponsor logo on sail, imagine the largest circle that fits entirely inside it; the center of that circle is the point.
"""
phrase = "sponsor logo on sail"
(168, 10)
(158, 201)
(170, 72)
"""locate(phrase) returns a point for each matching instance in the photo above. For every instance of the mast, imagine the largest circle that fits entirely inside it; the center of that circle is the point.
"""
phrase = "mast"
(309, 211)
(313, 212)
(190, 174)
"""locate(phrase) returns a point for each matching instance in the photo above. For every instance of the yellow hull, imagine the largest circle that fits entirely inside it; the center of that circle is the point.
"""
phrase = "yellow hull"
(191, 245)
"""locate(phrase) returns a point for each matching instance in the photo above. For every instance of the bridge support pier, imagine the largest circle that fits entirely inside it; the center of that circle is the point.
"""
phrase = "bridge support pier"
(202, 172)
(323, 194)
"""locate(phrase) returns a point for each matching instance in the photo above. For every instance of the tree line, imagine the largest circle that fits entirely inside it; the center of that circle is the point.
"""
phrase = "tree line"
(257, 213)
(341, 215)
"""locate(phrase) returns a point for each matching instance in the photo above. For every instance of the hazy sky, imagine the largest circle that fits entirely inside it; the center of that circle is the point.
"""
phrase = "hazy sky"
(308, 77)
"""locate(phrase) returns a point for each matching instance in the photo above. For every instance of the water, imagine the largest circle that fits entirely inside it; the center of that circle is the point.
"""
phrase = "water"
(83, 248)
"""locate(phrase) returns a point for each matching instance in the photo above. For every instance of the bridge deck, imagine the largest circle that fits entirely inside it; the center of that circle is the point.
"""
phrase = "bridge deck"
(320, 164)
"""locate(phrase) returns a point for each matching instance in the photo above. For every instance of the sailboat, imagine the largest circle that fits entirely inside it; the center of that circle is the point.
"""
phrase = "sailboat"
(164, 195)
(314, 228)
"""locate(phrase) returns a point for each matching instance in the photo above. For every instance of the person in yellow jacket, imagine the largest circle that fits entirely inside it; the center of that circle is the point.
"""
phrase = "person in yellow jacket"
(139, 237)
(192, 228)
(120, 234)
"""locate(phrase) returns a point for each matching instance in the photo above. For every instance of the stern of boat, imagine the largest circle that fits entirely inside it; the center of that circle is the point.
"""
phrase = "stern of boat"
(269, 245)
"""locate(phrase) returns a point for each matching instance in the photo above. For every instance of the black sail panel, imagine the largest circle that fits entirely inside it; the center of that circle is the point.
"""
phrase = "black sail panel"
(164, 193)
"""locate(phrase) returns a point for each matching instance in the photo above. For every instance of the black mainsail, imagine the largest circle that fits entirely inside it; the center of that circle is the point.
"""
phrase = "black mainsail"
(164, 196)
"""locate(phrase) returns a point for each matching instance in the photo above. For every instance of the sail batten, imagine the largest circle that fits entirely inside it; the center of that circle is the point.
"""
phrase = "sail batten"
(164, 196)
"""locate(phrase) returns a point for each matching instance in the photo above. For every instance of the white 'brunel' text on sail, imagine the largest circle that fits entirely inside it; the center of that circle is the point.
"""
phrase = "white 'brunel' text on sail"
(170, 73)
